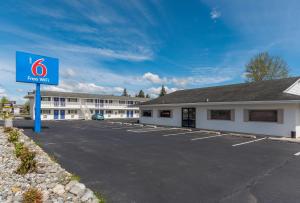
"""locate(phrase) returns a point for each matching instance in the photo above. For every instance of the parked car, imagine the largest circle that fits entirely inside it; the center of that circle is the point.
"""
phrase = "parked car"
(97, 116)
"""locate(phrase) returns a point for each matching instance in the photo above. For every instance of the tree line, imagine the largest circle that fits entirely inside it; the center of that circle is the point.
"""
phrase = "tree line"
(142, 94)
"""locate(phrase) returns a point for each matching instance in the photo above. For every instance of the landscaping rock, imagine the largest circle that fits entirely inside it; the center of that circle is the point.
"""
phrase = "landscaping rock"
(78, 189)
(88, 195)
(59, 189)
(50, 179)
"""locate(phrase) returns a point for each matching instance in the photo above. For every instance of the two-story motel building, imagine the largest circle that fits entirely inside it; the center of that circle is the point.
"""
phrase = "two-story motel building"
(69, 105)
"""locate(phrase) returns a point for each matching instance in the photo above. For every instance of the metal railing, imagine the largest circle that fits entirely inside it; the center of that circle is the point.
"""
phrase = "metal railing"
(49, 104)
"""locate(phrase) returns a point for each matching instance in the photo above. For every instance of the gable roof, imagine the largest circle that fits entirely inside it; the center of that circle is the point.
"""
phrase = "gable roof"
(85, 96)
(269, 90)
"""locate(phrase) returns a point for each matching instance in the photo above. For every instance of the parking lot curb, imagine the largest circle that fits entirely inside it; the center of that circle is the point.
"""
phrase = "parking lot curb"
(285, 139)
(242, 135)
(210, 131)
(151, 126)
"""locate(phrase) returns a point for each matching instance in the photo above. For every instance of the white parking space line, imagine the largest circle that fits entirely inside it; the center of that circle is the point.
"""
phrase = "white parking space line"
(297, 154)
(208, 137)
(182, 133)
(235, 145)
(151, 130)
(147, 128)
(128, 127)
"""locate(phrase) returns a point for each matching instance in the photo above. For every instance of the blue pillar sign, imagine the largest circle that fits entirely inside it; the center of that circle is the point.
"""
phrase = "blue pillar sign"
(32, 68)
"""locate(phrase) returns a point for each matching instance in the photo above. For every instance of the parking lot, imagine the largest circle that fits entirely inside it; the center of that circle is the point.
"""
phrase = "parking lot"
(133, 163)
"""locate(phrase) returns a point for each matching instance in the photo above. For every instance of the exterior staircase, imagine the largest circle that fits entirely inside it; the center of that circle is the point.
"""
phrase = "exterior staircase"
(85, 112)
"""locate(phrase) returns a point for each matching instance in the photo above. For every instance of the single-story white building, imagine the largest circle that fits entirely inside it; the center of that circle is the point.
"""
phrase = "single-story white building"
(268, 107)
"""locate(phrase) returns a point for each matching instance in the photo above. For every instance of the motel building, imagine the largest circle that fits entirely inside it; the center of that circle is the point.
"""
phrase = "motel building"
(73, 106)
(267, 107)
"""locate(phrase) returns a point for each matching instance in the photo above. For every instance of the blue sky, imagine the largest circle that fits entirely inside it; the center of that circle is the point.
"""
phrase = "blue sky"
(104, 46)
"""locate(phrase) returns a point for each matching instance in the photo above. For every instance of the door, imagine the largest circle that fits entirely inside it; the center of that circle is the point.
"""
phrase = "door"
(56, 101)
(97, 103)
(55, 114)
(189, 117)
(62, 114)
(129, 114)
(101, 103)
(62, 102)
(101, 112)
(96, 111)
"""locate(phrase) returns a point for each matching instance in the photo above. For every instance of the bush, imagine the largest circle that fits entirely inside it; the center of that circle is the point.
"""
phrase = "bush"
(75, 177)
(28, 164)
(8, 129)
(13, 136)
(100, 198)
(19, 146)
(32, 195)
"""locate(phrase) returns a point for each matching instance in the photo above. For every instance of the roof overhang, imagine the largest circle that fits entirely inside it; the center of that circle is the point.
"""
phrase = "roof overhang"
(224, 103)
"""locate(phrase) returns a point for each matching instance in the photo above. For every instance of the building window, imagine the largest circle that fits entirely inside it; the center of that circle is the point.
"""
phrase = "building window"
(121, 111)
(136, 112)
(45, 111)
(129, 102)
(147, 113)
(72, 100)
(109, 111)
(220, 115)
(110, 101)
(122, 102)
(263, 115)
(89, 100)
(72, 111)
(165, 113)
(46, 98)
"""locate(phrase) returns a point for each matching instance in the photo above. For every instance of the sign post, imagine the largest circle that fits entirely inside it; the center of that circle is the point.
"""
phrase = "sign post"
(37, 120)
(32, 68)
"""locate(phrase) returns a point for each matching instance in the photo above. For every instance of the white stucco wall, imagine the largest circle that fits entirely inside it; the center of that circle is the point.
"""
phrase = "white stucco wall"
(175, 120)
(290, 123)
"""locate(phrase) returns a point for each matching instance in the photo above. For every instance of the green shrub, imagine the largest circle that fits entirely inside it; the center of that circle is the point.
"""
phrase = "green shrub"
(75, 177)
(13, 136)
(19, 146)
(100, 197)
(28, 164)
(32, 195)
(8, 129)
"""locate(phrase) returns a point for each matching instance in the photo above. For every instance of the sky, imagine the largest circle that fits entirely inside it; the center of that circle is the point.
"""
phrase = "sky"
(105, 46)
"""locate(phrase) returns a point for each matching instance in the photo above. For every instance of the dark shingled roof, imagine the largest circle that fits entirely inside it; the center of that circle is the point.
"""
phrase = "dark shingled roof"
(85, 95)
(270, 90)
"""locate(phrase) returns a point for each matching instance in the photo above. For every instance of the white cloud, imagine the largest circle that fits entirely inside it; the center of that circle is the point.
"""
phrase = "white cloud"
(181, 81)
(154, 91)
(133, 52)
(197, 79)
(68, 72)
(84, 87)
(153, 78)
(215, 14)
(140, 55)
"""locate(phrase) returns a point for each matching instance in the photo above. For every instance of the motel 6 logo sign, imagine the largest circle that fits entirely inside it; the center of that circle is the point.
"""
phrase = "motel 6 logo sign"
(38, 64)
(32, 68)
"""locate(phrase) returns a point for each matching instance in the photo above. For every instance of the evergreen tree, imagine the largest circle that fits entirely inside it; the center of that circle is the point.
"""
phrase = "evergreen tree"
(125, 93)
(163, 91)
(141, 94)
(147, 96)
